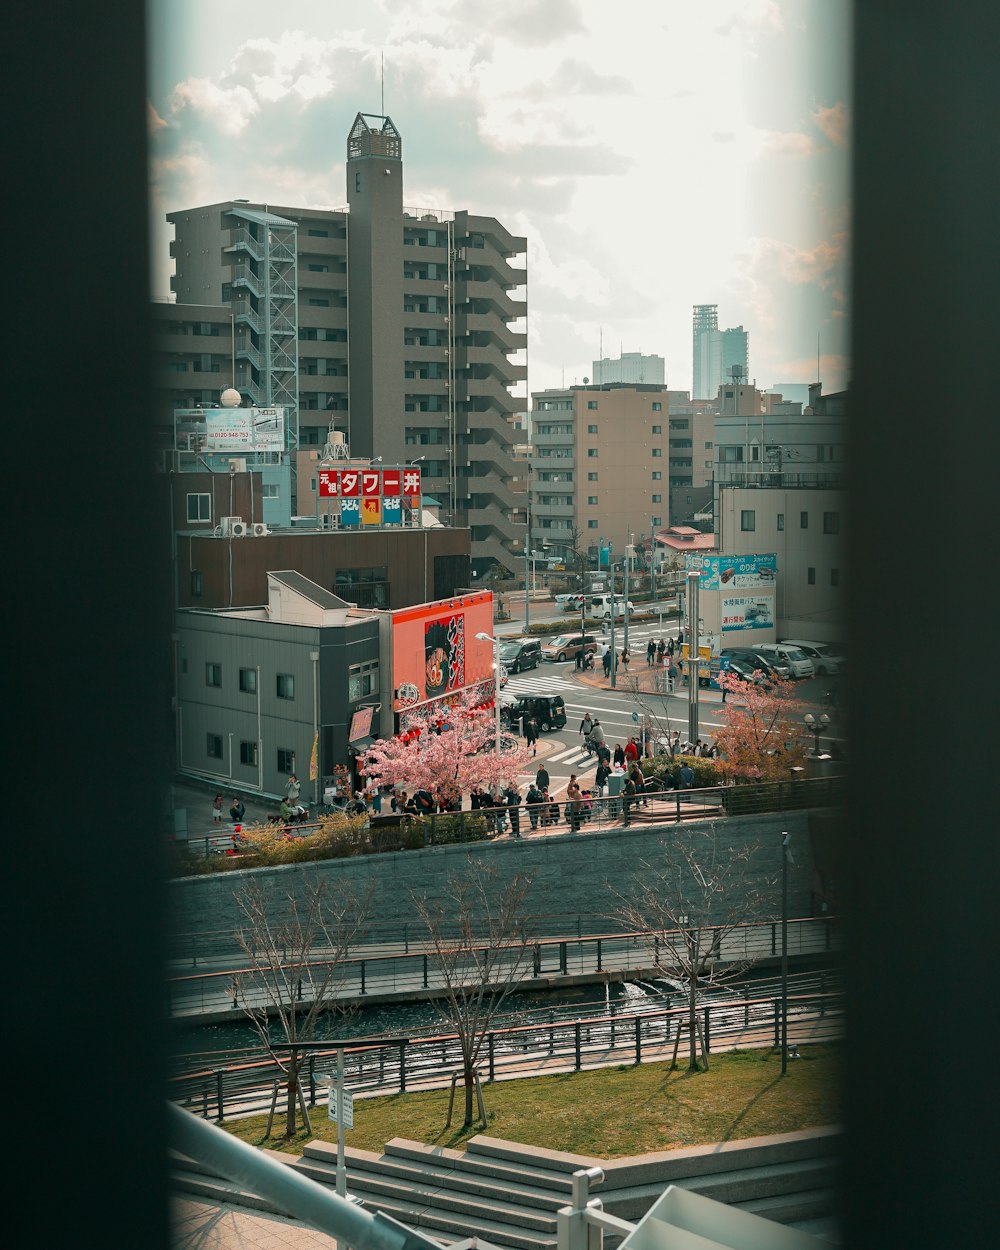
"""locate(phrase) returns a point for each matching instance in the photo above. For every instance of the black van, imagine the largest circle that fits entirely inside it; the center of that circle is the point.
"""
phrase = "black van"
(548, 710)
(517, 654)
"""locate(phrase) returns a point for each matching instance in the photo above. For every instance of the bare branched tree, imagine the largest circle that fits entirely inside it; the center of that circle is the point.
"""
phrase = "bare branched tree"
(688, 903)
(476, 928)
(296, 948)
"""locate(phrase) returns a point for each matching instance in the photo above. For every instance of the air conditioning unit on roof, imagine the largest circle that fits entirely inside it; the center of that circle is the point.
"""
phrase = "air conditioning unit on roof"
(228, 522)
(260, 530)
(239, 529)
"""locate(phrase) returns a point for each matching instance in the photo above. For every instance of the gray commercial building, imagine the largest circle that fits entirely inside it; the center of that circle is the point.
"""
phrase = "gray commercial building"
(392, 325)
(716, 353)
(256, 686)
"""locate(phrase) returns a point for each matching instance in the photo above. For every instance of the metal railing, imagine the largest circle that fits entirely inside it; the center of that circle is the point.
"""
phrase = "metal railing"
(396, 1064)
(405, 831)
(222, 990)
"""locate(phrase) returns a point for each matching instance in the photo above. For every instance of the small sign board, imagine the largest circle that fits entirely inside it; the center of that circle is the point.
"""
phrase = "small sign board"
(348, 1107)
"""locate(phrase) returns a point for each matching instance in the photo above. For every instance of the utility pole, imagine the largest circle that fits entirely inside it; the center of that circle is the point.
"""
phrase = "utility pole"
(691, 635)
(614, 658)
(629, 551)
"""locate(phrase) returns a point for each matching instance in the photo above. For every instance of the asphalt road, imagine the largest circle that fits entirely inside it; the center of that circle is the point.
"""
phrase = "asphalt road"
(621, 712)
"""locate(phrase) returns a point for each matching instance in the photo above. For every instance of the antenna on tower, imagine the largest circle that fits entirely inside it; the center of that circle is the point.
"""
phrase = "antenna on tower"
(381, 62)
(817, 355)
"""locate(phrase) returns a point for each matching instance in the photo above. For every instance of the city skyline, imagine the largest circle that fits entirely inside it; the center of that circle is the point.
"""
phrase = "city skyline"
(609, 143)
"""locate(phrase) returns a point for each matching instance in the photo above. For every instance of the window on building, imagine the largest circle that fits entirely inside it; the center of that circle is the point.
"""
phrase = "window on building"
(591, 403)
(657, 475)
(592, 500)
(831, 522)
(781, 521)
(270, 490)
(592, 525)
(592, 452)
(248, 753)
(213, 746)
(591, 429)
(803, 520)
(657, 499)
(731, 455)
(357, 182)
(748, 519)
(657, 429)
(811, 576)
(708, 446)
(657, 406)
(656, 520)
(592, 477)
(285, 686)
(213, 674)
(657, 451)
(318, 268)
(319, 303)
(835, 577)
(286, 761)
(362, 680)
(196, 583)
(248, 680)
(318, 234)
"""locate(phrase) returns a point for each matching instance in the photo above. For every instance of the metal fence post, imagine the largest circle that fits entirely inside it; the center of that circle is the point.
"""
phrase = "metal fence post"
(576, 1041)
(708, 1046)
(425, 972)
(490, 1040)
(638, 1040)
(777, 1023)
(402, 1067)
(599, 965)
(219, 1098)
(536, 958)
(312, 1080)
(562, 957)
(363, 990)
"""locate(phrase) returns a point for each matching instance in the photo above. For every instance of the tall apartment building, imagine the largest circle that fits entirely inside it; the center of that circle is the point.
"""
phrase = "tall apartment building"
(390, 324)
(630, 367)
(691, 455)
(715, 353)
(599, 465)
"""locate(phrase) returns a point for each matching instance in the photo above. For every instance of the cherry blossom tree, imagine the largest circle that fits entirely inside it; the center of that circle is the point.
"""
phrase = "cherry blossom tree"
(448, 748)
(762, 737)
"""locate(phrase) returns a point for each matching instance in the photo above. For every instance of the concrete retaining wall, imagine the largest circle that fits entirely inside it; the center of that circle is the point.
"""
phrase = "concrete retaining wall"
(571, 873)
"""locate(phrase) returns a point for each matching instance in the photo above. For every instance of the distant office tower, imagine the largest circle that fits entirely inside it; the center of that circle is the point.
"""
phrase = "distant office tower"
(392, 324)
(715, 352)
(630, 367)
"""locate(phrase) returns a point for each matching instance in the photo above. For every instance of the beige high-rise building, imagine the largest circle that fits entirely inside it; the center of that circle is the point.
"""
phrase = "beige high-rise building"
(599, 466)
(392, 325)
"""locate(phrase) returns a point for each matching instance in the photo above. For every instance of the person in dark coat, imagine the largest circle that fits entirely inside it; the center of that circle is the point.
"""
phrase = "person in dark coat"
(512, 798)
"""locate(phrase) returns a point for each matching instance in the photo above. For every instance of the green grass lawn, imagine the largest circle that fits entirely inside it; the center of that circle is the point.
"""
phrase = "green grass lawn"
(608, 1113)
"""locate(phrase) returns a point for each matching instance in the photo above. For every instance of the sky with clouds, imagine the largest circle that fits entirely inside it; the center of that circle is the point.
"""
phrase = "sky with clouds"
(656, 154)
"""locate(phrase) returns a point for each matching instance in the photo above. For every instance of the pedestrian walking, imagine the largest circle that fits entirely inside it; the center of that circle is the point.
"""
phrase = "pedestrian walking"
(217, 810)
(685, 780)
(631, 752)
(628, 799)
(533, 801)
(670, 648)
(675, 744)
(574, 805)
(601, 777)
(531, 734)
(579, 656)
(626, 656)
(619, 756)
(513, 800)
(542, 780)
(661, 651)
(606, 661)
(650, 652)
(672, 675)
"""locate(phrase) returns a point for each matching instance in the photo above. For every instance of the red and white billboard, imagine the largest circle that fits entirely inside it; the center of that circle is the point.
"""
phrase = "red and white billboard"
(371, 482)
(391, 481)
(329, 483)
(435, 651)
(350, 482)
(411, 481)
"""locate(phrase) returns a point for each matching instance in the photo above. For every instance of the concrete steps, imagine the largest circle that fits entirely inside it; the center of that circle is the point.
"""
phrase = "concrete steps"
(509, 1193)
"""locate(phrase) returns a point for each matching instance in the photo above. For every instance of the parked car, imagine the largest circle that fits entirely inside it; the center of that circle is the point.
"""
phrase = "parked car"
(745, 670)
(517, 654)
(799, 664)
(566, 645)
(770, 666)
(548, 710)
(827, 657)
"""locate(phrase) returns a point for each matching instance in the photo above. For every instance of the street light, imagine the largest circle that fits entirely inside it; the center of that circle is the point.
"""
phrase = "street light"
(816, 725)
(482, 636)
(786, 859)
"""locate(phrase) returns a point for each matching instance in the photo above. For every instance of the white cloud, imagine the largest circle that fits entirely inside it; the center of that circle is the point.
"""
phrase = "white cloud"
(787, 143)
(834, 123)
(228, 109)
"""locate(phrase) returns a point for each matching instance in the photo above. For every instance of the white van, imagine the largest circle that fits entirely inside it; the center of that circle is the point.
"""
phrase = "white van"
(600, 607)
(826, 656)
(799, 664)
